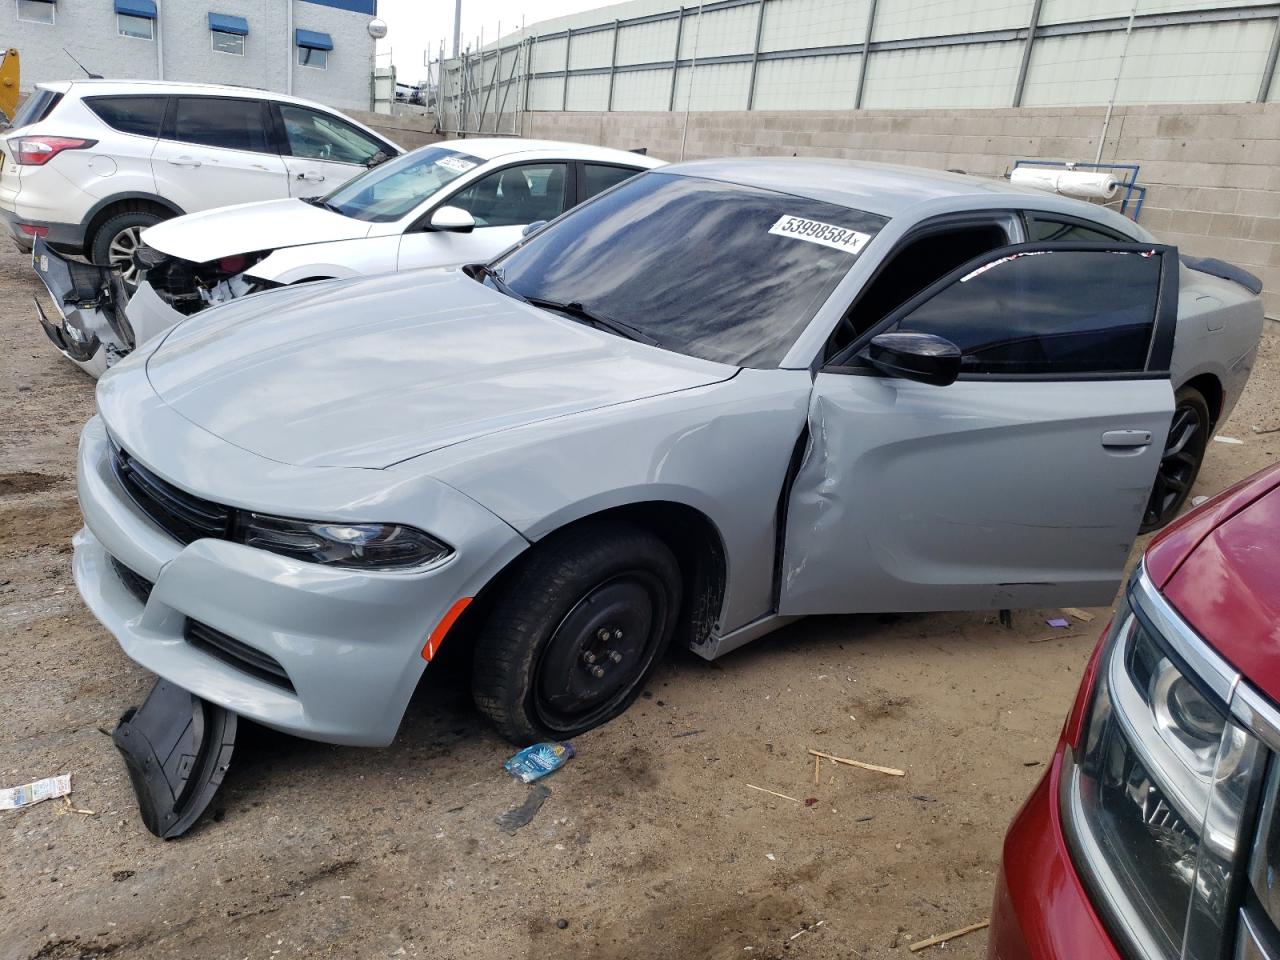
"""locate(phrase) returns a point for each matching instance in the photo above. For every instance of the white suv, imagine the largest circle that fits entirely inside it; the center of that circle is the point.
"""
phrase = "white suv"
(89, 164)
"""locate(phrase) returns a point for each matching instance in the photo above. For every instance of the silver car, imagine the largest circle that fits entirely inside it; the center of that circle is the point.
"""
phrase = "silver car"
(718, 397)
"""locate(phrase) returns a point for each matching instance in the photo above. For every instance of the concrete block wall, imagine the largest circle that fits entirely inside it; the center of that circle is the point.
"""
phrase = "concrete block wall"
(407, 130)
(1212, 170)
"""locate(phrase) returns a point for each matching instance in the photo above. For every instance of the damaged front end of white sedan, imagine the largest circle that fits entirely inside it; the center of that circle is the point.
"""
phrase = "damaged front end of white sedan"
(95, 320)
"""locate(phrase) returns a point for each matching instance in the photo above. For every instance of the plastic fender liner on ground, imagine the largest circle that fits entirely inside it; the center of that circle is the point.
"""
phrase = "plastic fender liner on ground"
(177, 748)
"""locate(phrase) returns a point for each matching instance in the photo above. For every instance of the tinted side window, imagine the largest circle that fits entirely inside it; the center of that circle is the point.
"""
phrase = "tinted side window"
(218, 122)
(321, 136)
(38, 105)
(598, 178)
(1041, 229)
(514, 196)
(1048, 312)
(140, 115)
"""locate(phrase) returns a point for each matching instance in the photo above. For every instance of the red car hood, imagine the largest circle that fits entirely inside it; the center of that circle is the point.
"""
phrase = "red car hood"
(1220, 567)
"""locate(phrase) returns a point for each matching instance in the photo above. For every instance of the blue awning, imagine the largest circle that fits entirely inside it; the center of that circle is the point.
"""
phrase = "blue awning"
(225, 23)
(137, 8)
(310, 39)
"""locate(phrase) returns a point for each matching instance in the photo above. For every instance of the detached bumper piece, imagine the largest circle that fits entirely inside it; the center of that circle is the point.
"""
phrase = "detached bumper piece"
(91, 327)
(177, 748)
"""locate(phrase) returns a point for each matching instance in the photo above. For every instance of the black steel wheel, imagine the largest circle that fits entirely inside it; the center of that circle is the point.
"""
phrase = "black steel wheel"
(575, 634)
(1180, 462)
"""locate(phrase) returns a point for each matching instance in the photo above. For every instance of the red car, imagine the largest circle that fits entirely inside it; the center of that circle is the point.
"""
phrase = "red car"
(1155, 834)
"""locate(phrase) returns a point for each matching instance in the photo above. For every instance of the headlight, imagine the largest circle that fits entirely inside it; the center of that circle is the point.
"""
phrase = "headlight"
(1154, 799)
(377, 546)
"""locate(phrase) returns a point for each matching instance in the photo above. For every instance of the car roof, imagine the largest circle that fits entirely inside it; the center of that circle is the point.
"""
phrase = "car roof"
(1219, 566)
(491, 148)
(880, 188)
(89, 87)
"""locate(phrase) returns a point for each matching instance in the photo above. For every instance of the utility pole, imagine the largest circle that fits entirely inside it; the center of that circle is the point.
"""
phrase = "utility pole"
(457, 27)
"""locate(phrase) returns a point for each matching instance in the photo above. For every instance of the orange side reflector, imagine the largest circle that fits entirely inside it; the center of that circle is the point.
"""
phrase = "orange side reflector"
(442, 628)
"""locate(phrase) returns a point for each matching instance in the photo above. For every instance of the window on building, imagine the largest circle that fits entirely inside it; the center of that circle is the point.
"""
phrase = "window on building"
(232, 43)
(313, 48)
(36, 11)
(310, 57)
(140, 28)
(222, 122)
(227, 33)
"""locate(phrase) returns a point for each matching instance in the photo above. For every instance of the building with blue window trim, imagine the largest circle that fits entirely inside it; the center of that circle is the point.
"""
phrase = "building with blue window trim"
(318, 49)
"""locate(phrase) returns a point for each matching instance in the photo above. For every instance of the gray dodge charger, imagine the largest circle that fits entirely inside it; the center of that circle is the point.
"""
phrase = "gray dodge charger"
(720, 396)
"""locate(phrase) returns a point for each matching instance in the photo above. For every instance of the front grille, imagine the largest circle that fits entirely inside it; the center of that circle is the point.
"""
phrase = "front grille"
(136, 584)
(239, 655)
(183, 516)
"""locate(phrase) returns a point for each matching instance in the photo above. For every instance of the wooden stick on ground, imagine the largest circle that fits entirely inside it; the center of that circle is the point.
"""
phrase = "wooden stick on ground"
(949, 935)
(774, 793)
(1082, 615)
(817, 771)
(891, 771)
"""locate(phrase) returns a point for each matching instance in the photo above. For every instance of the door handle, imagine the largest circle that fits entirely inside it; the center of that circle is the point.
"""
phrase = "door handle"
(1126, 438)
(311, 176)
(184, 161)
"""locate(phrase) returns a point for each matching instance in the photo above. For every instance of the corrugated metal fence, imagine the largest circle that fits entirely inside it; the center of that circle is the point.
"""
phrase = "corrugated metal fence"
(652, 55)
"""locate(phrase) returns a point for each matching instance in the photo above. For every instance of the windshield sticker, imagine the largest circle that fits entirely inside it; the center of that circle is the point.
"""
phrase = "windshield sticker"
(827, 234)
(456, 164)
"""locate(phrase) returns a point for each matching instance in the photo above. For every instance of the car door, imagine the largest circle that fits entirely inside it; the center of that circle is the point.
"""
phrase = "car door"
(502, 202)
(1022, 483)
(215, 151)
(322, 151)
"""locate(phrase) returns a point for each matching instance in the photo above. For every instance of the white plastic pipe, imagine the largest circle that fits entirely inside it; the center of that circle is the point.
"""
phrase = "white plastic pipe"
(1071, 183)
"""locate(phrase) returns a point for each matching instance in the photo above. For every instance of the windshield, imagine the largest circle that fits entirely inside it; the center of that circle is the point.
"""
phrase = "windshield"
(715, 270)
(392, 189)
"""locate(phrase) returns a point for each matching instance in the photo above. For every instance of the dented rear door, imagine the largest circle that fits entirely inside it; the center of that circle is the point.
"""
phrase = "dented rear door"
(1021, 484)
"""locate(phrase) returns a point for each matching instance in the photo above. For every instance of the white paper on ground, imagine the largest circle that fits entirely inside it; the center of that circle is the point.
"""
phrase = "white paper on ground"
(13, 797)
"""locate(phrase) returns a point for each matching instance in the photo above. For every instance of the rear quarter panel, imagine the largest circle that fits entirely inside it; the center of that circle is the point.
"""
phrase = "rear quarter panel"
(1219, 328)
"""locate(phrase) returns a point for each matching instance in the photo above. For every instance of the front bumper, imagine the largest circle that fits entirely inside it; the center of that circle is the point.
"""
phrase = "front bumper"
(349, 642)
(1041, 910)
(84, 315)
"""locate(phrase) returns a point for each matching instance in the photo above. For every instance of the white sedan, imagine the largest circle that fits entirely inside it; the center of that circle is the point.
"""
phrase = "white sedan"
(454, 202)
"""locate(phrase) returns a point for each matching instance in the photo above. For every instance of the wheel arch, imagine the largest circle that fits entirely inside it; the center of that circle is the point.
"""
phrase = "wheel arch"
(1213, 391)
(689, 533)
(108, 207)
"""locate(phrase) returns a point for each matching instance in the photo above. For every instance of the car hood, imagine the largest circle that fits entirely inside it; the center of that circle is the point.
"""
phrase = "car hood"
(374, 371)
(250, 227)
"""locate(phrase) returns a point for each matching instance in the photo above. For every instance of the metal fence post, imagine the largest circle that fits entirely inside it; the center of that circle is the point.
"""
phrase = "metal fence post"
(1269, 71)
(568, 50)
(613, 67)
(755, 58)
(866, 55)
(675, 60)
(1025, 65)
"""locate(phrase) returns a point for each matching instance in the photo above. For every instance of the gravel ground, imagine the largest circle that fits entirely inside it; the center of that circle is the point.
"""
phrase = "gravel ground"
(651, 844)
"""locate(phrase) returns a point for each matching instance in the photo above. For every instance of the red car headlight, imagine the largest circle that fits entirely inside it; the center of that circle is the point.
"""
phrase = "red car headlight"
(1154, 795)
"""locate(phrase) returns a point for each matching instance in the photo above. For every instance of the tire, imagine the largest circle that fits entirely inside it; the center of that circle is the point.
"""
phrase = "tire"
(576, 632)
(114, 242)
(1180, 462)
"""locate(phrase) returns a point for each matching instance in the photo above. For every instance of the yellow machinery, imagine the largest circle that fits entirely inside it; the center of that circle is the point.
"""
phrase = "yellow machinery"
(9, 75)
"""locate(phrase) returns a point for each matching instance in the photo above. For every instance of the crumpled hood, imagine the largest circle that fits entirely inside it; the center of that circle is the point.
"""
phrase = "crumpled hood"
(250, 227)
(374, 371)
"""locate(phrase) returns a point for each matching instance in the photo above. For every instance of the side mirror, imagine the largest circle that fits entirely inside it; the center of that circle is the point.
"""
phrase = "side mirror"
(376, 159)
(453, 220)
(531, 227)
(915, 356)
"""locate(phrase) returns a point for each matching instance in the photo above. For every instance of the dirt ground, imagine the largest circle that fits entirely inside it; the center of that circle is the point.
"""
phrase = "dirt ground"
(652, 844)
